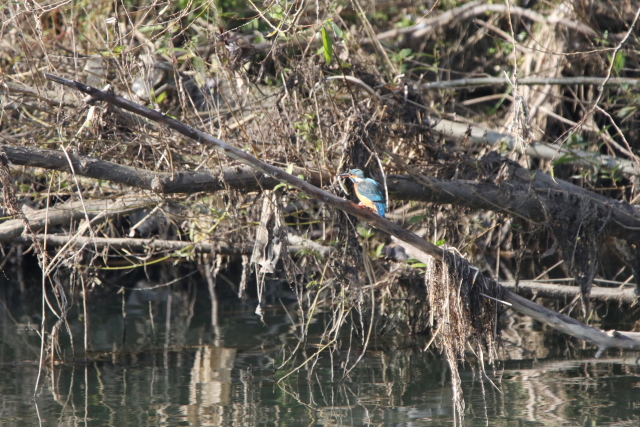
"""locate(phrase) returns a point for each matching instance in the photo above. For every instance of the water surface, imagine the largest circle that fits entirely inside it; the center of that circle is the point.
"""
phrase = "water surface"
(164, 358)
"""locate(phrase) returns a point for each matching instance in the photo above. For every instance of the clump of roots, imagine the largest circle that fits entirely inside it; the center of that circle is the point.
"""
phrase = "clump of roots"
(460, 314)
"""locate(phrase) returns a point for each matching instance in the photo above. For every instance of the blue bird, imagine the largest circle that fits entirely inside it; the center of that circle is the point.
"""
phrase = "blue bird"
(367, 190)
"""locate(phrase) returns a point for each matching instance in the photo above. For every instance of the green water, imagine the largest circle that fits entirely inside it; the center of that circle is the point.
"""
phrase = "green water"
(160, 358)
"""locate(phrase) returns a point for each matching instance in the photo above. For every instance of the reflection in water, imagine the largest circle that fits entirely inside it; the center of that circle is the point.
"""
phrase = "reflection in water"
(211, 376)
(160, 358)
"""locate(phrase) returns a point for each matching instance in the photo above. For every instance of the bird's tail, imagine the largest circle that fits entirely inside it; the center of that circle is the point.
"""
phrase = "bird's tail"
(381, 208)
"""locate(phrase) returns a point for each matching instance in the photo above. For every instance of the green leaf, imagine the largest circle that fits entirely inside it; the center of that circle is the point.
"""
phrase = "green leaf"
(365, 232)
(336, 29)
(567, 158)
(200, 68)
(618, 62)
(161, 97)
(416, 219)
(404, 53)
(625, 111)
(415, 263)
(327, 44)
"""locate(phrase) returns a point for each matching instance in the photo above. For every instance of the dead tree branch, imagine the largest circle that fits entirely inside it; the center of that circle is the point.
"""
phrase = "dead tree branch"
(155, 245)
(64, 214)
(602, 339)
(238, 177)
(626, 295)
(526, 194)
(477, 135)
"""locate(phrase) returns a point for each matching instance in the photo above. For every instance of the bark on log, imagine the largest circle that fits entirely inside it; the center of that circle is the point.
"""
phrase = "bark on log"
(64, 213)
(526, 194)
(514, 196)
(238, 177)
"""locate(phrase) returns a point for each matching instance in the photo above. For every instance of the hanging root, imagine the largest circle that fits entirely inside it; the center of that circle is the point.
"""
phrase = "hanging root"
(462, 313)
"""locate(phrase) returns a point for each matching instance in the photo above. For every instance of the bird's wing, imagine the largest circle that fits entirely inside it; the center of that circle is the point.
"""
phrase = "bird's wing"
(371, 189)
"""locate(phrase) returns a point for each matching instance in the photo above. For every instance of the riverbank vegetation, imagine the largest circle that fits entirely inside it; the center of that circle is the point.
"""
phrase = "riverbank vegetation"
(504, 136)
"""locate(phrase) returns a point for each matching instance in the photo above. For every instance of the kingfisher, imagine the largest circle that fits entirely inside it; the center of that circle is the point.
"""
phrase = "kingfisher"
(367, 190)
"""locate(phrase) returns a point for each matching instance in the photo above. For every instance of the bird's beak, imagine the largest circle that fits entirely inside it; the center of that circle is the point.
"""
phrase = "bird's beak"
(345, 175)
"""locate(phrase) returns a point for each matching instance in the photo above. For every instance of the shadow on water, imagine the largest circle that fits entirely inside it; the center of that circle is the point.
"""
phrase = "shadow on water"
(160, 357)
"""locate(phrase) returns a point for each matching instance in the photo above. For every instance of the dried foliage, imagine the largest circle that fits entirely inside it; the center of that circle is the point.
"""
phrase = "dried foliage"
(331, 86)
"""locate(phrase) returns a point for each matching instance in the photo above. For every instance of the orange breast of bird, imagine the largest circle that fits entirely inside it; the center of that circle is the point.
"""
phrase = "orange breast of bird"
(364, 200)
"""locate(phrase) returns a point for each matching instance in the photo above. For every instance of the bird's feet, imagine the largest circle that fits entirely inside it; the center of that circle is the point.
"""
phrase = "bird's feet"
(363, 206)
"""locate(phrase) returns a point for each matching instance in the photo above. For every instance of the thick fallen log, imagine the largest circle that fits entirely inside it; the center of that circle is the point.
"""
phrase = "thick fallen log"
(238, 177)
(412, 243)
(65, 213)
(526, 194)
